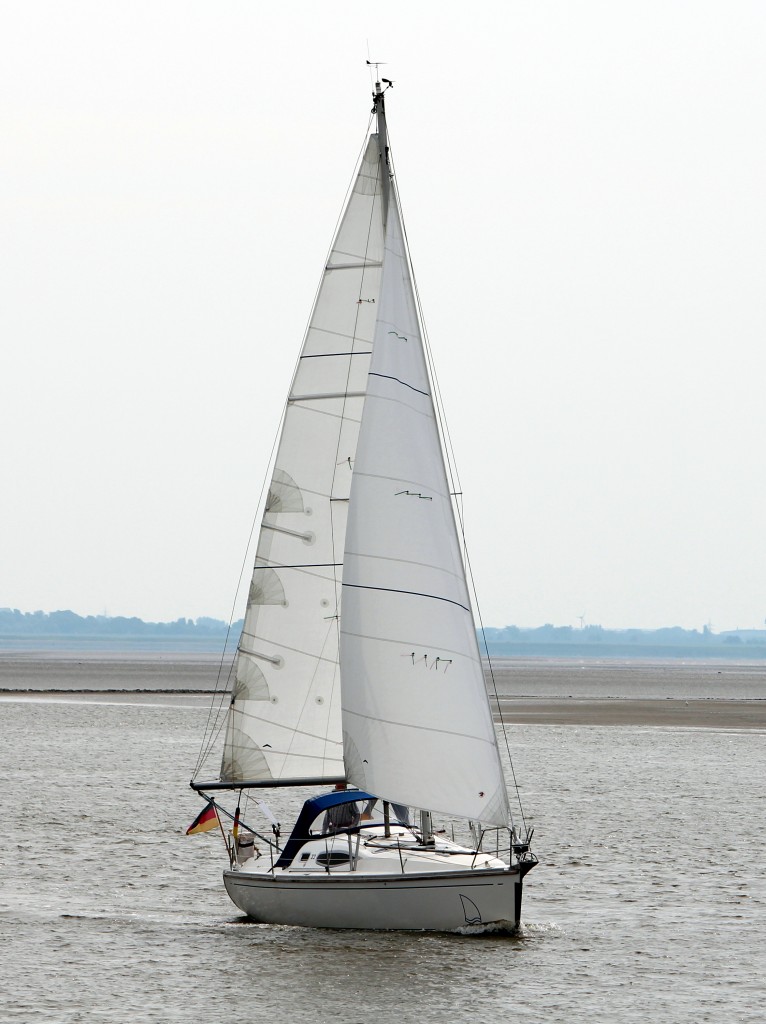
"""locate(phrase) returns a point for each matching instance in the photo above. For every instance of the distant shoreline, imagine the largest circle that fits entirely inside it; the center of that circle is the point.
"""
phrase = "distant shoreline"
(66, 631)
(526, 654)
(207, 647)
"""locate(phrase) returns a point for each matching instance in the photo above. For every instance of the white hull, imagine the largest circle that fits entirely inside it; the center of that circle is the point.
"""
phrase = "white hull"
(431, 901)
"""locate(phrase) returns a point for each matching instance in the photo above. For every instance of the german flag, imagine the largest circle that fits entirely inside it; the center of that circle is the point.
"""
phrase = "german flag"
(206, 820)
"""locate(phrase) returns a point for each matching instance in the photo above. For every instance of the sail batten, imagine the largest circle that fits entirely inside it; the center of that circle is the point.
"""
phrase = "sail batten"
(353, 266)
(444, 732)
(319, 397)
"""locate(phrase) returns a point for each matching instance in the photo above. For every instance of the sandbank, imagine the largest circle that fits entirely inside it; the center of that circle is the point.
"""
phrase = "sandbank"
(711, 713)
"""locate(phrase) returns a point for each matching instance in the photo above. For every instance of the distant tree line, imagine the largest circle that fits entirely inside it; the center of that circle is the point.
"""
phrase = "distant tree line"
(671, 636)
(15, 623)
(67, 623)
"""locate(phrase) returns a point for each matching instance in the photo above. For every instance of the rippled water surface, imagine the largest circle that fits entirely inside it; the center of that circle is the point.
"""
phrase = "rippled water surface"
(648, 903)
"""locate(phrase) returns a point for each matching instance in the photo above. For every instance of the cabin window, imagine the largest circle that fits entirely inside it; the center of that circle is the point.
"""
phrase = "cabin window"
(332, 858)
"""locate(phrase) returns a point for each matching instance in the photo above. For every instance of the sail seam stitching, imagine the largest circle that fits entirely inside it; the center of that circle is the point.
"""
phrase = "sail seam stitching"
(408, 561)
(319, 737)
(292, 650)
(421, 728)
(341, 334)
(407, 643)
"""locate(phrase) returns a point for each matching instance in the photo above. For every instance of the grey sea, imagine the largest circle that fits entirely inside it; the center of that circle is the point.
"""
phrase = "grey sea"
(649, 902)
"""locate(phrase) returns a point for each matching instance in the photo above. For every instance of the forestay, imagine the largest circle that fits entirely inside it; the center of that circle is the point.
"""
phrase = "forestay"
(417, 727)
(284, 720)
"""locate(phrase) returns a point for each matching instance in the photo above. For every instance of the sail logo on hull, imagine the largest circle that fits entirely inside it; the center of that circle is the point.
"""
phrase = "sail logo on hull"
(471, 912)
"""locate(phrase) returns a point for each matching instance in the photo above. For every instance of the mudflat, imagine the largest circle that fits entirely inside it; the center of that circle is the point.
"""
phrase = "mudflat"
(534, 691)
(693, 694)
(709, 712)
(109, 672)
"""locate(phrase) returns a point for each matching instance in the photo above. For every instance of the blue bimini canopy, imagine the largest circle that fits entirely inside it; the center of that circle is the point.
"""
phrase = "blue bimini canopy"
(309, 813)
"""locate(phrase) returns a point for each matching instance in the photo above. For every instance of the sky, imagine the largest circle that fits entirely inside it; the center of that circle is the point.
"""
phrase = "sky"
(583, 188)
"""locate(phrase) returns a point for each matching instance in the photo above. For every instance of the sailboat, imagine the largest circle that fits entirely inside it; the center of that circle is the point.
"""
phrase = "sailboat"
(358, 668)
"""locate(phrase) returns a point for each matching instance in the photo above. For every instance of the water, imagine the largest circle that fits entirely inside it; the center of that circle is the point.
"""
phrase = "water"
(648, 903)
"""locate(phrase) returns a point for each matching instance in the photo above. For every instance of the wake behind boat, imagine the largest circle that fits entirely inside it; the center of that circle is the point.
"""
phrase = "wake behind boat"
(358, 664)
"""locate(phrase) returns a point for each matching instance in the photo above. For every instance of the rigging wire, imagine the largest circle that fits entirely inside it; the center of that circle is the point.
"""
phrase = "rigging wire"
(454, 482)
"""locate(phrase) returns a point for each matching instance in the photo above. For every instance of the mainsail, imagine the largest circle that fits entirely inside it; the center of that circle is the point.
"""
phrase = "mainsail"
(417, 728)
(284, 720)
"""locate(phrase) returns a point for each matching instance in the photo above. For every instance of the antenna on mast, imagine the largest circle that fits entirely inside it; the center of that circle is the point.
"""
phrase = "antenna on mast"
(386, 81)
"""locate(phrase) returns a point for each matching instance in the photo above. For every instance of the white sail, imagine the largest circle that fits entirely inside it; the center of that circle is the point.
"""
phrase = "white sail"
(417, 727)
(284, 720)
(358, 657)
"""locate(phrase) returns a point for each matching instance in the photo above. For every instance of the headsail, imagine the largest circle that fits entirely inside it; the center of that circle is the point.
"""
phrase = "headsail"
(284, 720)
(417, 727)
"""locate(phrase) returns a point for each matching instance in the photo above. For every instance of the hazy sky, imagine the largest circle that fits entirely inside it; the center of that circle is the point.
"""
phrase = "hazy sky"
(583, 187)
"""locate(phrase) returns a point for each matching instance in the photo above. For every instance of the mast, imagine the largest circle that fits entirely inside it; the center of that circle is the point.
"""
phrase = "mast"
(379, 108)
